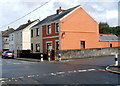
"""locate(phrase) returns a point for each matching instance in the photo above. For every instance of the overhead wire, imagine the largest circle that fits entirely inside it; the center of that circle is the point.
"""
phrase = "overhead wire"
(25, 15)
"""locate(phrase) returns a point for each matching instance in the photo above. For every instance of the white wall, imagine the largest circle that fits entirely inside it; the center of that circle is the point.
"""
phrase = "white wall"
(5, 42)
(1, 40)
(11, 42)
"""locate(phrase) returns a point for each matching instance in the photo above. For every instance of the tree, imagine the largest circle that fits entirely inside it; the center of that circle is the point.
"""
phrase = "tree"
(104, 28)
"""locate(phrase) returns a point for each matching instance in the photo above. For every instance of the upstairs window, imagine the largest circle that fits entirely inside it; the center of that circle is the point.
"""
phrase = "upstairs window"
(37, 32)
(57, 27)
(49, 29)
(31, 33)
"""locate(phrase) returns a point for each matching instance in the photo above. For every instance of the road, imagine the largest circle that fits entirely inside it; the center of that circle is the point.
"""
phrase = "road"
(74, 71)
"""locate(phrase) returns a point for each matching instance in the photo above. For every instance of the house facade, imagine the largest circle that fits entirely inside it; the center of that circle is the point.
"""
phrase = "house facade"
(70, 29)
(1, 41)
(36, 40)
(21, 37)
(5, 38)
(12, 41)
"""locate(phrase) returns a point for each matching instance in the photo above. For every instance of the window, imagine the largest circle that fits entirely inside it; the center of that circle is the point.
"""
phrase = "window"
(12, 37)
(32, 47)
(110, 45)
(49, 46)
(37, 32)
(57, 27)
(31, 33)
(57, 45)
(21, 35)
(49, 29)
(82, 44)
(37, 47)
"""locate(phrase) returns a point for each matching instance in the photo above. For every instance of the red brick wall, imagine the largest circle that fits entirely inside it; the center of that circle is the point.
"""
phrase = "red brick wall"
(53, 33)
(53, 43)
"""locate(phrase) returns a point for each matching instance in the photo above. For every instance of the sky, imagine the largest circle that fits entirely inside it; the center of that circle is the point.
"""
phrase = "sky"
(11, 10)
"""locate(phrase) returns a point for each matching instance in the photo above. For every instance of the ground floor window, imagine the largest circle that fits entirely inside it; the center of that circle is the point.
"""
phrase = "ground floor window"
(32, 47)
(37, 47)
(82, 43)
(49, 45)
(110, 44)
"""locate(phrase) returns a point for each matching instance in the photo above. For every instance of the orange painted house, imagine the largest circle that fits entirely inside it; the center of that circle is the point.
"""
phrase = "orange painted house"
(72, 29)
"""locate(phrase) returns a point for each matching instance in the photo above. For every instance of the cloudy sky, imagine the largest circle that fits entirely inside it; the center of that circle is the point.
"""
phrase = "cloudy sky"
(11, 10)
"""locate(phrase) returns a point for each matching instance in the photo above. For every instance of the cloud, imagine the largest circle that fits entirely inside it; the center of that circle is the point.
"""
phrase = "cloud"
(100, 10)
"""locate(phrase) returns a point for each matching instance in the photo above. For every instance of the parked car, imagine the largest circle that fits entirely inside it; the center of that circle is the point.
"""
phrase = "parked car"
(7, 54)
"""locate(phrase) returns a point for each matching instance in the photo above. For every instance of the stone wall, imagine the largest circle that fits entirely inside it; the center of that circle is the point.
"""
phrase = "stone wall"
(84, 53)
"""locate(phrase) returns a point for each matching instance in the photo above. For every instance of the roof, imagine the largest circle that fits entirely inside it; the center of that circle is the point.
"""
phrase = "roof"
(55, 17)
(21, 27)
(7, 32)
(108, 37)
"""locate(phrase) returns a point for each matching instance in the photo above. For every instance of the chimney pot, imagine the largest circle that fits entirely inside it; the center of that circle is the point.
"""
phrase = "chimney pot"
(29, 21)
(59, 10)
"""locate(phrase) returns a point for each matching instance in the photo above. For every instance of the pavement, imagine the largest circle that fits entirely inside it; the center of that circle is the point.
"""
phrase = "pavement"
(28, 59)
(39, 60)
(113, 68)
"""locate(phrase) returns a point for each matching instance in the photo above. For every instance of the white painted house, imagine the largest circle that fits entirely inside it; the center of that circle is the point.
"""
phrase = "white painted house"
(21, 37)
(0, 41)
(5, 38)
(11, 41)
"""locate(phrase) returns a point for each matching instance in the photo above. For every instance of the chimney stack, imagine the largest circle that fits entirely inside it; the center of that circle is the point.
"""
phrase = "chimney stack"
(29, 21)
(59, 10)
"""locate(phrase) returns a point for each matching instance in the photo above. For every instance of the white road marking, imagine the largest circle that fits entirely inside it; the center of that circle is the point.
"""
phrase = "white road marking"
(21, 77)
(91, 69)
(2, 81)
(82, 70)
(70, 71)
(53, 74)
(16, 80)
(60, 72)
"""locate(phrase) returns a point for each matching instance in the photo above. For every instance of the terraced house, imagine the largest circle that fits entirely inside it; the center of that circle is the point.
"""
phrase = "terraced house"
(69, 29)
(5, 38)
(20, 39)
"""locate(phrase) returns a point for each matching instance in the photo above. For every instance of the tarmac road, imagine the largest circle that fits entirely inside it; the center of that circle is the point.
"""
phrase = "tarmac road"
(74, 71)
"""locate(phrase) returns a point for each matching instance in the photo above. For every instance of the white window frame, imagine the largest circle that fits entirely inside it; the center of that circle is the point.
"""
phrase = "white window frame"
(47, 43)
(37, 47)
(82, 46)
(56, 28)
(37, 31)
(48, 30)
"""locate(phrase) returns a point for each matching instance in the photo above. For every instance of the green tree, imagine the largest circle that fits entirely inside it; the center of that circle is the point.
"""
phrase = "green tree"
(104, 28)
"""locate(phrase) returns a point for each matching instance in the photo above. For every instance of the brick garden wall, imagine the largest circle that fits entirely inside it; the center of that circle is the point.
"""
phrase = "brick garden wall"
(85, 53)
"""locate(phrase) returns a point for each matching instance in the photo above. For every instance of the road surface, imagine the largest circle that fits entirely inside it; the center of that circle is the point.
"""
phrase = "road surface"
(74, 71)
